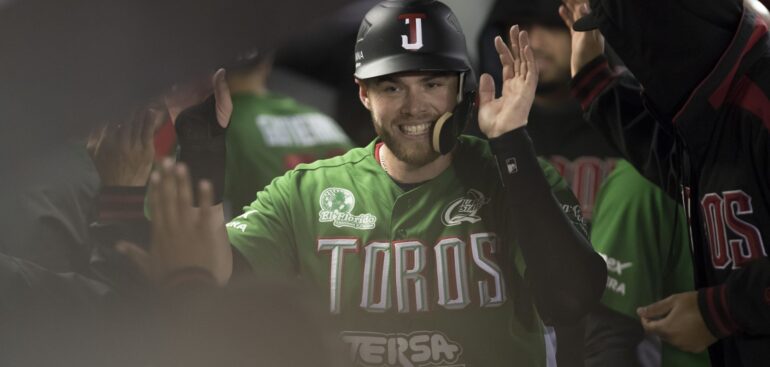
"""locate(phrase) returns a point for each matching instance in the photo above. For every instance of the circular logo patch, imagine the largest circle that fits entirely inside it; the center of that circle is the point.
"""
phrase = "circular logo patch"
(335, 199)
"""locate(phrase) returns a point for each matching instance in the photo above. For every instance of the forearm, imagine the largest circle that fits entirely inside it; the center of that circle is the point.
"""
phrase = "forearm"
(566, 276)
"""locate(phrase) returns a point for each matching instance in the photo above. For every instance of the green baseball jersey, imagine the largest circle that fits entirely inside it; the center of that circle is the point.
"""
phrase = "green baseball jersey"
(425, 277)
(270, 134)
(645, 247)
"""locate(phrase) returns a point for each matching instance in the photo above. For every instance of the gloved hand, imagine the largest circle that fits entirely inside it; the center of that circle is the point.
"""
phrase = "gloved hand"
(200, 131)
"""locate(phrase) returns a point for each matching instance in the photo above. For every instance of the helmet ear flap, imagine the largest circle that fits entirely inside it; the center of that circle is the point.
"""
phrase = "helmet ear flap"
(450, 125)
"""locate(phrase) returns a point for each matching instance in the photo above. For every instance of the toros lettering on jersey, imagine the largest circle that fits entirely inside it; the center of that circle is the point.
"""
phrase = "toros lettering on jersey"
(732, 241)
(412, 278)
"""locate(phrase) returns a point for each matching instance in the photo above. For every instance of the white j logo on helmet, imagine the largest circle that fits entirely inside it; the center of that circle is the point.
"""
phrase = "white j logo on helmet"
(412, 42)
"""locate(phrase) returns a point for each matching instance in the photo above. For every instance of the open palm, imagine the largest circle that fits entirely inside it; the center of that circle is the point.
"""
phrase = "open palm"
(508, 112)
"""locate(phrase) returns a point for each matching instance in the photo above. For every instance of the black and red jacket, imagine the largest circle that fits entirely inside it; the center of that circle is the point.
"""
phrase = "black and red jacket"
(713, 152)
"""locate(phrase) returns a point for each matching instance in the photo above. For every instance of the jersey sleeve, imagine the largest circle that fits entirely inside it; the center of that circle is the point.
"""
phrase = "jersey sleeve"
(564, 275)
(565, 197)
(642, 235)
(263, 233)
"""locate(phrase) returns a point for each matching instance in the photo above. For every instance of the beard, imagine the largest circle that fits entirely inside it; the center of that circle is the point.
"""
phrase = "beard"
(554, 78)
(415, 154)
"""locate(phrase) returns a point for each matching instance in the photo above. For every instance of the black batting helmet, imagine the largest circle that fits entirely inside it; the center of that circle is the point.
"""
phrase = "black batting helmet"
(418, 35)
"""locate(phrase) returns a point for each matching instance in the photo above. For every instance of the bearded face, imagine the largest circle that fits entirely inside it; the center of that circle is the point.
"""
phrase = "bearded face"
(405, 108)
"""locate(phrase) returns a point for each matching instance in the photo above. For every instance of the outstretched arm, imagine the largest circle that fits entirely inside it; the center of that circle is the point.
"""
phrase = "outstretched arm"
(565, 275)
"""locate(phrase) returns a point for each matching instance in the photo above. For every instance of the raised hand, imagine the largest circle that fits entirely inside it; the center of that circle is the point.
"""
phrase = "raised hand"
(586, 46)
(186, 95)
(183, 237)
(508, 112)
(678, 321)
(123, 151)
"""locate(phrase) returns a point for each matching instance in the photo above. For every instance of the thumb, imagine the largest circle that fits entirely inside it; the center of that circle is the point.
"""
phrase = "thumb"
(583, 10)
(486, 89)
(656, 310)
(566, 16)
(137, 255)
(222, 96)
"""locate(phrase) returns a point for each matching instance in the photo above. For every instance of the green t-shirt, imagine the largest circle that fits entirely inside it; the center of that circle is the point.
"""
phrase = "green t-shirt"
(642, 235)
(270, 134)
(418, 278)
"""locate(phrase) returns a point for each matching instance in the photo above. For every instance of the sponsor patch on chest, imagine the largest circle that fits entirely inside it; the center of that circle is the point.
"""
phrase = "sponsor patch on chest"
(464, 209)
(420, 348)
(337, 206)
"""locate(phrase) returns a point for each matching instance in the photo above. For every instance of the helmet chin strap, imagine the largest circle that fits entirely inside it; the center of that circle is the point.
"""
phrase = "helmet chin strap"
(450, 125)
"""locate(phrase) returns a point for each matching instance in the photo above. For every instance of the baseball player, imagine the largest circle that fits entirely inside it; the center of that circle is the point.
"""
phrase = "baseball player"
(431, 249)
(699, 126)
(270, 133)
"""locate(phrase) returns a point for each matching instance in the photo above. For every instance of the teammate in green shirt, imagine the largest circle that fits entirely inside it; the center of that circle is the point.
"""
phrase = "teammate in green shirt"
(270, 133)
(430, 250)
(642, 274)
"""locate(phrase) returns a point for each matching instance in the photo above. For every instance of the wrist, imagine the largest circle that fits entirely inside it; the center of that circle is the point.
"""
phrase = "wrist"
(121, 203)
(497, 132)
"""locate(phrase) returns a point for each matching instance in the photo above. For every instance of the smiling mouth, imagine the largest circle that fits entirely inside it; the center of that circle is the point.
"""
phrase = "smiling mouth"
(415, 130)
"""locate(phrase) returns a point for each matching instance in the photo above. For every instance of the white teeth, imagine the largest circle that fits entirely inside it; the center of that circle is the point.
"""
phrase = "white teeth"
(415, 129)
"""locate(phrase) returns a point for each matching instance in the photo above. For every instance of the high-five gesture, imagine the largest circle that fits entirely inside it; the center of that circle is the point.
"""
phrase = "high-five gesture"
(508, 112)
(184, 237)
(586, 46)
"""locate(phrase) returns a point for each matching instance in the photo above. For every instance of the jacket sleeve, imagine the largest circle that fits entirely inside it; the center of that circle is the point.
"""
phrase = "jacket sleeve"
(564, 274)
(741, 304)
(120, 217)
(612, 339)
(613, 103)
(29, 290)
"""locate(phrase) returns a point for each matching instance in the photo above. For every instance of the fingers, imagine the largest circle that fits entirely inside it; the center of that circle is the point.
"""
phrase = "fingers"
(168, 196)
(657, 310)
(583, 10)
(154, 119)
(486, 89)
(566, 16)
(513, 35)
(95, 139)
(156, 214)
(185, 194)
(529, 60)
(523, 47)
(572, 5)
(658, 327)
(515, 59)
(224, 102)
(506, 58)
(135, 127)
(205, 202)
(137, 255)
